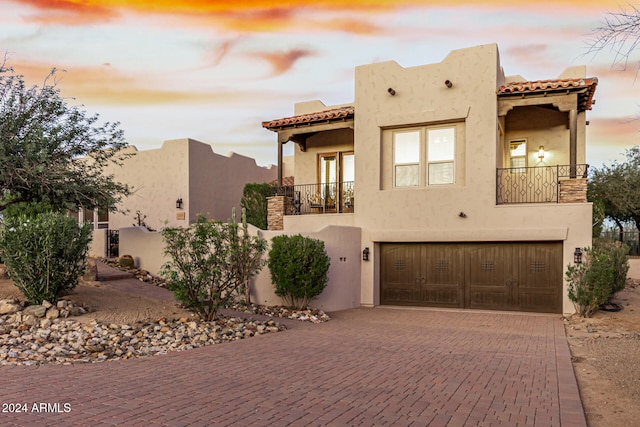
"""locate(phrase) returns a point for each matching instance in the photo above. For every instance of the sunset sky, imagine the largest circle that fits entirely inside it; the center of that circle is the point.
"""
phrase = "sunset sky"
(214, 70)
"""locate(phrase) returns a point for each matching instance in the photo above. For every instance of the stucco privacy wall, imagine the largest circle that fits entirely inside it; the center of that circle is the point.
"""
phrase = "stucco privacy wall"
(98, 245)
(341, 243)
(207, 183)
(634, 268)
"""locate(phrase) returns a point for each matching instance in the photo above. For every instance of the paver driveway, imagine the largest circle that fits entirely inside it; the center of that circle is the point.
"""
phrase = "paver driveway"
(368, 367)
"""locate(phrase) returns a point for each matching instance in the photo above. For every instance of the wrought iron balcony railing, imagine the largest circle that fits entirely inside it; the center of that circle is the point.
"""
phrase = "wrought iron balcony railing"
(535, 184)
(332, 197)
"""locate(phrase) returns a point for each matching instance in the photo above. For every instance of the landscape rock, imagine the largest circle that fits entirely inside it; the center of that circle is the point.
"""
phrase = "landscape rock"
(52, 313)
(35, 310)
(9, 306)
(91, 272)
(27, 340)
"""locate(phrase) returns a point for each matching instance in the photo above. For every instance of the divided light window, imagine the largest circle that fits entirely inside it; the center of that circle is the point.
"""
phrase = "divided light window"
(518, 153)
(427, 152)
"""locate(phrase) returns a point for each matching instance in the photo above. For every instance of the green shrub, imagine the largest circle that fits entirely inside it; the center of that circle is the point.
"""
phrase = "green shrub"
(299, 267)
(601, 274)
(211, 265)
(254, 201)
(45, 253)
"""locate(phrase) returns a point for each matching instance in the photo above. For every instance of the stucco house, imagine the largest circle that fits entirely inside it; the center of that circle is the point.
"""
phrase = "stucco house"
(468, 187)
(175, 183)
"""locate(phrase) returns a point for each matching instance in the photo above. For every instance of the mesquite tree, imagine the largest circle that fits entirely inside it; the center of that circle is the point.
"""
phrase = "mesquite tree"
(53, 153)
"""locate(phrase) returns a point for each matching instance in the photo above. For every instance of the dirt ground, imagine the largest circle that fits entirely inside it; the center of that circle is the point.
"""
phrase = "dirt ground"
(110, 305)
(605, 348)
(606, 360)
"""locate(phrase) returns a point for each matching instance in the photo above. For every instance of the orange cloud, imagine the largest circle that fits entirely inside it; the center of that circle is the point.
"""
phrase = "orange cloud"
(250, 15)
(283, 61)
(108, 86)
(70, 12)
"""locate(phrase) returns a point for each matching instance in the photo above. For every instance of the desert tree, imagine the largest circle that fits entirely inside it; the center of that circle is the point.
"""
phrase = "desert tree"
(616, 186)
(52, 153)
(619, 33)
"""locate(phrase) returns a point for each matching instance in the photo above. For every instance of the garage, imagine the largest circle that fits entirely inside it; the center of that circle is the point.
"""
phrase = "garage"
(521, 276)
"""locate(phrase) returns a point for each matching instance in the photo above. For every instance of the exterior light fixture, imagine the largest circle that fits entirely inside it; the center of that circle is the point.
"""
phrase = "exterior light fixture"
(541, 152)
(179, 203)
(391, 91)
(448, 84)
(365, 254)
(577, 256)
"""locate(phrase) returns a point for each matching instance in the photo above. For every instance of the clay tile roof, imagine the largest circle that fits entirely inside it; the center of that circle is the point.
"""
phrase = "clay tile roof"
(343, 113)
(588, 85)
(287, 181)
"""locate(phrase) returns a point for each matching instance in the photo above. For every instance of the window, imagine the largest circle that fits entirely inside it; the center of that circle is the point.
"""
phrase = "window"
(424, 156)
(441, 155)
(406, 154)
(518, 153)
(97, 218)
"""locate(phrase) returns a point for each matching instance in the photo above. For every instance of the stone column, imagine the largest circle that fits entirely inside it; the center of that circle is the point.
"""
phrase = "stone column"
(277, 208)
(573, 190)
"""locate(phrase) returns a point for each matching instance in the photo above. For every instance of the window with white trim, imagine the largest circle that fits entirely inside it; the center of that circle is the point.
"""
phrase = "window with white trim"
(424, 156)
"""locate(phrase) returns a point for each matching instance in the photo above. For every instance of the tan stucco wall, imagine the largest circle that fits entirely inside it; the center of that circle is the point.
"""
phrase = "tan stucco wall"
(634, 268)
(343, 288)
(207, 183)
(158, 178)
(216, 182)
(98, 245)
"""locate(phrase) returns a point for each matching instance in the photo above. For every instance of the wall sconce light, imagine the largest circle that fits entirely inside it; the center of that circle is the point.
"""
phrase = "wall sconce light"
(391, 91)
(365, 254)
(179, 203)
(448, 84)
(462, 215)
(541, 152)
(577, 256)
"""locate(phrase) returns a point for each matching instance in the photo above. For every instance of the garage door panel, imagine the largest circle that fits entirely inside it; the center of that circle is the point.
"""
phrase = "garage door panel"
(540, 277)
(399, 265)
(443, 281)
(488, 276)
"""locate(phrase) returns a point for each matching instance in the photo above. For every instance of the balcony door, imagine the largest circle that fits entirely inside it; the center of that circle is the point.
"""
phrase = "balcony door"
(336, 173)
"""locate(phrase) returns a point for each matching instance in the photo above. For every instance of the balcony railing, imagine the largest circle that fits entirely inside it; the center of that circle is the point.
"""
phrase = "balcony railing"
(536, 184)
(332, 197)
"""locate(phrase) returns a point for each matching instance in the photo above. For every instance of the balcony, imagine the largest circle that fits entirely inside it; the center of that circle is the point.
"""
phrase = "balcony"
(546, 184)
(333, 197)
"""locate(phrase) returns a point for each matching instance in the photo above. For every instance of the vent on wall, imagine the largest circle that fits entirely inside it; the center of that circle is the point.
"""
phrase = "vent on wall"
(488, 265)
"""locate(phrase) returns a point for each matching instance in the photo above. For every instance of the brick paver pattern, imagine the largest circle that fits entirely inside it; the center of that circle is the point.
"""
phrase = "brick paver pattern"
(366, 367)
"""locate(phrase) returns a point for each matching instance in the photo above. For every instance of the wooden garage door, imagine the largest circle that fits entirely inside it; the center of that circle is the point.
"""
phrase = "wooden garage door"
(493, 276)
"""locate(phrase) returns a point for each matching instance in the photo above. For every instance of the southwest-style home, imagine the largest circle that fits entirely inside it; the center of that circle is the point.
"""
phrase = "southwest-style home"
(468, 187)
(172, 185)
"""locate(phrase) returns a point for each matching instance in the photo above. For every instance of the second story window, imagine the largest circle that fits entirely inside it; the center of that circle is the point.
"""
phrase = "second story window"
(424, 156)
(518, 153)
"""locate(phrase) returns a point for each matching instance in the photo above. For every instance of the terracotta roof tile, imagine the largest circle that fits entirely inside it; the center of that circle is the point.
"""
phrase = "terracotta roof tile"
(287, 181)
(555, 85)
(343, 113)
